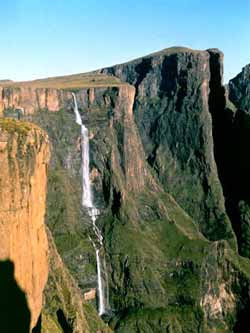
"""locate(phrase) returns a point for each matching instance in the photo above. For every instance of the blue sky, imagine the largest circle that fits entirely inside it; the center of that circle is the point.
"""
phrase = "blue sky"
(41, 38)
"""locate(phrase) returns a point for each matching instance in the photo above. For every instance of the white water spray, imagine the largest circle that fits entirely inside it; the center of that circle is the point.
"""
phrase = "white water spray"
(87, 202)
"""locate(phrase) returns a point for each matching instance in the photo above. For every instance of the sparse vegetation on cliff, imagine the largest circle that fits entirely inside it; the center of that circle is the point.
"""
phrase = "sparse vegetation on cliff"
(69, 82)
(160, 178)
(14, 126)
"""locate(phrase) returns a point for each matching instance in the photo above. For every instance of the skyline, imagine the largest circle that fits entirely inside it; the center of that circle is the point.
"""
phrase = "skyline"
(43, 39)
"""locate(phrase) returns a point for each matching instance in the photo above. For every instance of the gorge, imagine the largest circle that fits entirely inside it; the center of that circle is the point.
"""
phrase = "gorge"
(147, 196)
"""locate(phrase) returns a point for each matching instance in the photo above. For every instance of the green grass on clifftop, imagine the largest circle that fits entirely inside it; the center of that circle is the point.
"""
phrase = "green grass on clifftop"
(87, 80)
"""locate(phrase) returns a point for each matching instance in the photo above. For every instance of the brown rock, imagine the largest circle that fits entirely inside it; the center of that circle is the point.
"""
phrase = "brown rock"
(31, 99)
(24, 156)
(91, 95)
(91, 294)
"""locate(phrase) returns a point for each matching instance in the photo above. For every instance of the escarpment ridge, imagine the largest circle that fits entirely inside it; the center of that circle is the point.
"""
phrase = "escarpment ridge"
(170, 193)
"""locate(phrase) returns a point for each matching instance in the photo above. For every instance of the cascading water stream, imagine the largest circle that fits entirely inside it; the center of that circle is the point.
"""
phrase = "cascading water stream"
(87, 202)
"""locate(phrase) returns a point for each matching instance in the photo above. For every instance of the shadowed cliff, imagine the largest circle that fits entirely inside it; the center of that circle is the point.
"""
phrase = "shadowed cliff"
(14, 311)
(237, 180)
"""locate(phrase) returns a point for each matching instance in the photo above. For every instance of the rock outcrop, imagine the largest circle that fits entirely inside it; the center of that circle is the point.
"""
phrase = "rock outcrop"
(50, 94)
(173, 113)
(161, 178)
(234, 160)
(239, 89)
(24, 157)
(30, 99)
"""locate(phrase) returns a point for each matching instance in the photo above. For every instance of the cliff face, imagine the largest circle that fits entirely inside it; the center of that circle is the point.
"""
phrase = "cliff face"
(173, 114)
(50, 94)
(30, 99)
(236, 179)
(24, 157)
(114, 143)
(239, 89)
(160, 173)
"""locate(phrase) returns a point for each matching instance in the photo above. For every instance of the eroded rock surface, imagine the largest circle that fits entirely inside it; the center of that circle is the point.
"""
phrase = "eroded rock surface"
(157, 167)
(24, 157)
(173, 115)
(30, 99)
(239, 89)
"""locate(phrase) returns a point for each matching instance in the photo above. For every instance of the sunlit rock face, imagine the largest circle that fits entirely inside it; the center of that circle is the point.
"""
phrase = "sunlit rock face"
(159, 172)
(30, 99)
(24, 156)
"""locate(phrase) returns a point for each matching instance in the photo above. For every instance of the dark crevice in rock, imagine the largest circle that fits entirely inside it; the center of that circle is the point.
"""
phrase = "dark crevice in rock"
(63, 322)
(241, 289)
(152, 157)
(242, 320)
(224, 144)
(142, 70)
(120, 143)
(106, 186)
(116, 204)
(182, 91)
(231, 137)
(241, 166)
(169, 75)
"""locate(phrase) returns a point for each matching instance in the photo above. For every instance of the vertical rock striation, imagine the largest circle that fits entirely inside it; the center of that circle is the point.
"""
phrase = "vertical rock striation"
(24, 157)
(30, 99)
(172, 113)
(159, 172)
(239, 89)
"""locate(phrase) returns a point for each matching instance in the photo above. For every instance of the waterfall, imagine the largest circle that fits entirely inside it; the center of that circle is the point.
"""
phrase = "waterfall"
(87, 202)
